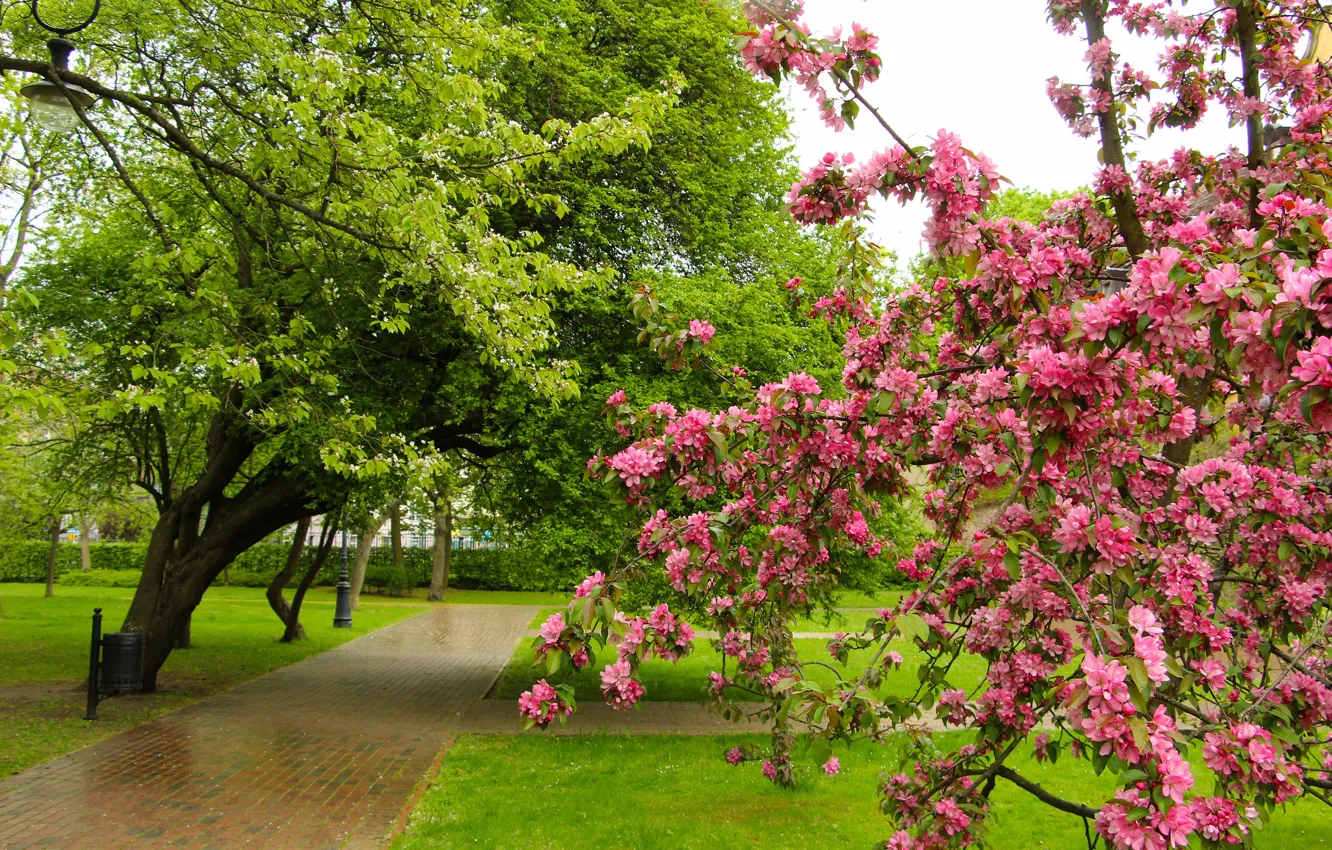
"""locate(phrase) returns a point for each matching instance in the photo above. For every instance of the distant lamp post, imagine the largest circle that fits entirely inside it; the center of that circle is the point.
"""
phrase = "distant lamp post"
(51, 104)
(342, 614)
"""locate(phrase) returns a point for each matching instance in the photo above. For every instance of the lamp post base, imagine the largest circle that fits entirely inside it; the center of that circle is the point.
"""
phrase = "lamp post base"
(342, 615)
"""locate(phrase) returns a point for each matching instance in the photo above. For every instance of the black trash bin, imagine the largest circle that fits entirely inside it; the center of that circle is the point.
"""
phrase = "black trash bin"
(122, 663)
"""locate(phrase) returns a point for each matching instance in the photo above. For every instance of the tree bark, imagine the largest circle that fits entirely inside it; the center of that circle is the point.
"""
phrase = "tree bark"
(1246, 27)
(439, 579)
(276, 600)
(1112, 142)
(185, 554)
(294, 629)
(85, 553)
(51, 557)
(183, 640)
(365, 542)
(395, 531)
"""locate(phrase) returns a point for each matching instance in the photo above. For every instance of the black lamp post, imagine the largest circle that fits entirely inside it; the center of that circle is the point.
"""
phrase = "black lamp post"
(50, 103)
(342, 615)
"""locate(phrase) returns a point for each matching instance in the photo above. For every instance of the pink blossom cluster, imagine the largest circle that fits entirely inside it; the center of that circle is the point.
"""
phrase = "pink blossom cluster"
(543, 704)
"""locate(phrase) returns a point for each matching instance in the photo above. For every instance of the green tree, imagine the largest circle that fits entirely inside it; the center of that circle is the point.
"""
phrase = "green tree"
(699, 214)
(1025, 204)
(278, 260)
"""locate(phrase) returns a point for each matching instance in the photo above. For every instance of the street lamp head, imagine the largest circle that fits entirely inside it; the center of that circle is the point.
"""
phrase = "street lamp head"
(52, 104)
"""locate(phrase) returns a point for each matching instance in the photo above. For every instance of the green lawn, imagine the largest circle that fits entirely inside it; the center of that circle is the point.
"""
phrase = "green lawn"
(536, 791)
(838, 620)
(44, 658)
(687, 679)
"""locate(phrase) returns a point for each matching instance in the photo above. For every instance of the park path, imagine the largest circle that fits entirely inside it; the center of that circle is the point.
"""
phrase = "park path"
(325, 753)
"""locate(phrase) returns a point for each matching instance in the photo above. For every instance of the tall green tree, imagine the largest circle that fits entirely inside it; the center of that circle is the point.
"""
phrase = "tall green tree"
(698, 215)
(280, 259)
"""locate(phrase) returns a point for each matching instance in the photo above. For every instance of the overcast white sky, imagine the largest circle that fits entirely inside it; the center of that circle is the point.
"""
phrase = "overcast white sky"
(977, 68)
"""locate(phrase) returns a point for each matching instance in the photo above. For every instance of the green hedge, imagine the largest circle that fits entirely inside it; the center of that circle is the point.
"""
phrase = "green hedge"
(556, 560)
(101, 578)
(487, 569)
(25, 560)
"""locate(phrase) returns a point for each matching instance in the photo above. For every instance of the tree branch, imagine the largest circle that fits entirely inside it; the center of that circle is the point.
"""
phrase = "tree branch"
(1045, 796)
(1246, 27)
(1112, 144)
(184, 144)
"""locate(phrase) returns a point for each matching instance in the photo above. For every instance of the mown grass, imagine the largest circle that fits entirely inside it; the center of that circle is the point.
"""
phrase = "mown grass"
(44, 659)
(535, 791)
(686, 680)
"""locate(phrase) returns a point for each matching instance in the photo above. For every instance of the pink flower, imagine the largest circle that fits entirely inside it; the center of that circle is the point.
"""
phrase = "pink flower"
(636, 466)
(553, 628)
(1150, 650)
(799, 382)
(1071, 535)
(770, 770)
(1143, 621)
(735, 755)
(618, 686)
(1315, 365)
(1099, 59)
(832, 766)
(1176, 776)
(543, 704)
(953, 819)
(616, 399)
(701, 331)
(592, 582)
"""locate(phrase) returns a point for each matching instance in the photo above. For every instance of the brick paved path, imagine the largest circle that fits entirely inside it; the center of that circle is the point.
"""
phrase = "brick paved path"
(324, 753)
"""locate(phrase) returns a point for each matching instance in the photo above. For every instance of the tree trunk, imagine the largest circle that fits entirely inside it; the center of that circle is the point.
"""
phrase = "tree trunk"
(365, 541)
(85, 553)
(395, 531)
(182, 640)
(51, 557)
(439, 579)
(326, 536)
(276, 600)
(185, 555)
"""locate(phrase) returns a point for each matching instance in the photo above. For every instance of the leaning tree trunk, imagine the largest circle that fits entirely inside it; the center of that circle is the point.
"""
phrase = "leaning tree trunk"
(365, 542)
(276, 600)
(326, 536)
(51, 557)
(85, 553)
(186, 555)
(439, 578)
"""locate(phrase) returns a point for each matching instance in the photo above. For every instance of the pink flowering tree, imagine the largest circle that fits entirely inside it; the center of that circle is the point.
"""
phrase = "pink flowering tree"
(1147, 372)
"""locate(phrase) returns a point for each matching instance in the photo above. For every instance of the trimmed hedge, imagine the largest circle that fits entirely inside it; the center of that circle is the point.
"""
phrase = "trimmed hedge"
(101, 578)
(25, 560)
(557, 560)
(486, 569)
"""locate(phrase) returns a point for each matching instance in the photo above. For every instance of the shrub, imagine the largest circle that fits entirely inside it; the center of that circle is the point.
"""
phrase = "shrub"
(101, 578)
(25, 560)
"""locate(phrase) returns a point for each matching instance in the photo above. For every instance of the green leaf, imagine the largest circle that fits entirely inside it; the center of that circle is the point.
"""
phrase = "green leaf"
(1014, 565)
(1138, 671)
(820, 751)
